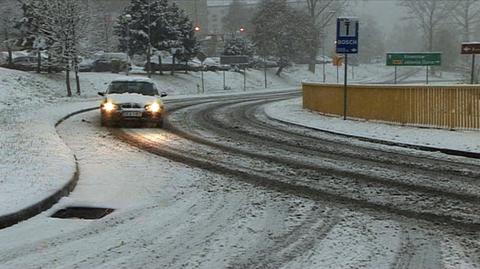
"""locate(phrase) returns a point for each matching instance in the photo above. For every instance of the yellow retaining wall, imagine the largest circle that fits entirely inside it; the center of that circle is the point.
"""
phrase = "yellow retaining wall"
(431, 106)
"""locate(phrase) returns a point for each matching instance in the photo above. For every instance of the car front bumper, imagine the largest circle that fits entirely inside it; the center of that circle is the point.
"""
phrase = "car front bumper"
(120, 116)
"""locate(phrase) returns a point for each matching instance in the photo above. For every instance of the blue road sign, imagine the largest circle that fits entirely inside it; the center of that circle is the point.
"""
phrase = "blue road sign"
(347, 36)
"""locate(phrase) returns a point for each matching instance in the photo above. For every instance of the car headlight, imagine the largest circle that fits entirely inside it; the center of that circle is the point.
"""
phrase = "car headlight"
(155, 107)
(109, 106)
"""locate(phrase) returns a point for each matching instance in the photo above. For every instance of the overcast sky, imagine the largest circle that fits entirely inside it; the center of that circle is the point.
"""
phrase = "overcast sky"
(386, 12)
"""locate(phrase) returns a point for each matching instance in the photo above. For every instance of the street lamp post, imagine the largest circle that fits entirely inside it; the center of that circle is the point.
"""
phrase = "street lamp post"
(128, 18)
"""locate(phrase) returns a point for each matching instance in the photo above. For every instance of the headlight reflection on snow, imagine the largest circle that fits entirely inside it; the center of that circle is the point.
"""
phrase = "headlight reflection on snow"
(154, 136)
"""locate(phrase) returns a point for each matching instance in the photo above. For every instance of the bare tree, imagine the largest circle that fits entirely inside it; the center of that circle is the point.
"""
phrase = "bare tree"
(321, 13)
(429, 16)
(77, 23)
(467, 16)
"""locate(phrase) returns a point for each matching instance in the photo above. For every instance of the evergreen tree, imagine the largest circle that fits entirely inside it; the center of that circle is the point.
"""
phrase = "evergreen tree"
(238, 45)
(159, 23)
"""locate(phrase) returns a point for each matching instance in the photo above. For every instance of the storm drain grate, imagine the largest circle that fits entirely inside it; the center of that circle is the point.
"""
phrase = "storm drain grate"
(82, 213)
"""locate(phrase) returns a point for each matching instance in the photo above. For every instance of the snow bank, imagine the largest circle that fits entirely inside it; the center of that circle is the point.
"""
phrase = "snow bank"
(292, 111)
(34, 162)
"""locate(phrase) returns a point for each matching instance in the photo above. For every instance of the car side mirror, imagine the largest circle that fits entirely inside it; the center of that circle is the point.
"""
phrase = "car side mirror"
(163, 94)
(101, 93)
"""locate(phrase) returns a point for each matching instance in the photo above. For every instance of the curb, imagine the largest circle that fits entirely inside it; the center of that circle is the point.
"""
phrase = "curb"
(453, 152)
(35, 209)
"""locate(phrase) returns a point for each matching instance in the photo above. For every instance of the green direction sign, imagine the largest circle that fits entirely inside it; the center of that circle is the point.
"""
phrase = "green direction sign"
(414, 59)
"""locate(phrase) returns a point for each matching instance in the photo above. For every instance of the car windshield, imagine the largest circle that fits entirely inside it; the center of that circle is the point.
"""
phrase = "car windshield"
(144, 88)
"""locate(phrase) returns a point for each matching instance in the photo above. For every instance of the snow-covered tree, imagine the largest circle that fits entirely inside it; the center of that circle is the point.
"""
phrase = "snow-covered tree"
(155, 22)
(238, 45)
(32, 27)
(189, 43)
(57, 26)
(282, 32)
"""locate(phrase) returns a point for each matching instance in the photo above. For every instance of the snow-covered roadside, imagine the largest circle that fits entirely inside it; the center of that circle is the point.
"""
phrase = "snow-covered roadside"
(292, 111)
(34, 161)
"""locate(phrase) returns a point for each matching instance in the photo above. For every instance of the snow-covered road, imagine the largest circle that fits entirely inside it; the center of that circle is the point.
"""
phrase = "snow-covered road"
(225, 187)
(174, 215)
(249, 208)
(169, 215)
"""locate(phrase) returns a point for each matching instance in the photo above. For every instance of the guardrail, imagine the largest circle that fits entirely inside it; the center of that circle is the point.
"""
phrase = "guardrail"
(451, 107)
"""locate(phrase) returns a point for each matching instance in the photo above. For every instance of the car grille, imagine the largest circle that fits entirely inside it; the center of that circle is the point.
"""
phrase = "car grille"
(130, 105)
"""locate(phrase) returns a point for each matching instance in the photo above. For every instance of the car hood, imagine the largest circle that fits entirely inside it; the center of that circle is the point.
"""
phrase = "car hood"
(132, 98)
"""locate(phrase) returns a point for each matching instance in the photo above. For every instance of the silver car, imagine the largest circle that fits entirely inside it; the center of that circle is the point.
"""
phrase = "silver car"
(132, 100)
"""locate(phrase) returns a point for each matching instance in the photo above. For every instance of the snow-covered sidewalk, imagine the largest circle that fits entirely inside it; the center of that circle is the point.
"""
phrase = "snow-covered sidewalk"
(292, 111)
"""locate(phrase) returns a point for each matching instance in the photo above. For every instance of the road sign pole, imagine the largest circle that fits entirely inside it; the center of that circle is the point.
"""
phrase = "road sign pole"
(347, 42)
(426, 68)
(345, 80)
(395, 80)
(473, 69)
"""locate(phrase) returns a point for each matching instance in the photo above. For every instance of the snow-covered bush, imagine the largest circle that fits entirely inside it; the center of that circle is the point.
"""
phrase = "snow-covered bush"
(238, 45)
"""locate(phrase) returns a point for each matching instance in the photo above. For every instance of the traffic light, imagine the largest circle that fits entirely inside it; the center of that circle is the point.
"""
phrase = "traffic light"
(197, 28)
